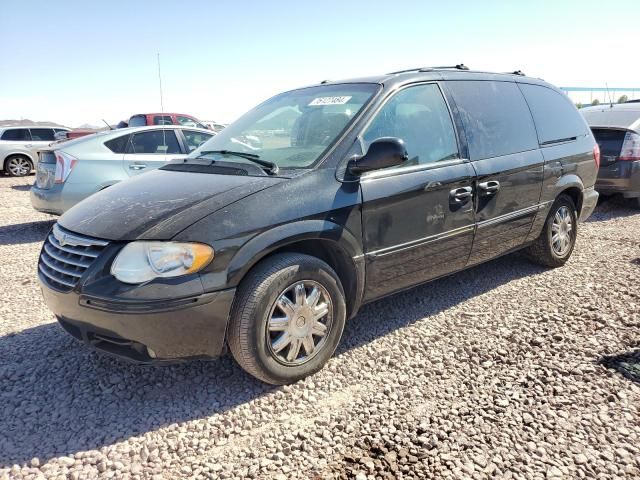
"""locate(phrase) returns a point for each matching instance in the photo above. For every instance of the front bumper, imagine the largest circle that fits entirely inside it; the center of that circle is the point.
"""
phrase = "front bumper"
(619, 177)
(589, 202)
(147, 331)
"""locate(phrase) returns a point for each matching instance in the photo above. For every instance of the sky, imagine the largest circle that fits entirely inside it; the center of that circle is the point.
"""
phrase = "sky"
(76, 62)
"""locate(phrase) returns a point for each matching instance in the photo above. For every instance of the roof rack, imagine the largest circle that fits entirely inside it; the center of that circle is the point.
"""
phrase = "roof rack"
(460, 66)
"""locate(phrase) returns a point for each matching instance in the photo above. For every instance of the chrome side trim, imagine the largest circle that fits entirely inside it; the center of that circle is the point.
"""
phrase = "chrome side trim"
(419, 242)
(509, 216)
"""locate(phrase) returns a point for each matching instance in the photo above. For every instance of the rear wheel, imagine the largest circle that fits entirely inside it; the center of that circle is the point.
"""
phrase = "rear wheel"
(18, 166)
(555, 244)
(287, 319)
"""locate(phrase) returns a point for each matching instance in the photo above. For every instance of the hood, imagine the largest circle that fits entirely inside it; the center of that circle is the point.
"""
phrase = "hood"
(158, 204)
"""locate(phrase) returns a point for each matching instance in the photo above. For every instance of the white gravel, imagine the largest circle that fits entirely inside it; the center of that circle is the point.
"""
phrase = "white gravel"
(507, 370)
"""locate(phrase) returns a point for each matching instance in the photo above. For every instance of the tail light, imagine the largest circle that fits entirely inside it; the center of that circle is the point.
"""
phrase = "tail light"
(596, 154)
(630, 147)
(64, 165)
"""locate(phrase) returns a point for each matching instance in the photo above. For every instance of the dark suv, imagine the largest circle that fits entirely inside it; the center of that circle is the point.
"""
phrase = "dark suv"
(352, 191)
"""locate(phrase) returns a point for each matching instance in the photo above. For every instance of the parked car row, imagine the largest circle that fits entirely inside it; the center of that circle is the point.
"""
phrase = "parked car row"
(69, 172)
(267, 243)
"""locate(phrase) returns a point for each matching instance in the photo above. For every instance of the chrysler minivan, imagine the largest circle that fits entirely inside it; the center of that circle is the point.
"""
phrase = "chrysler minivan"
(319, 200)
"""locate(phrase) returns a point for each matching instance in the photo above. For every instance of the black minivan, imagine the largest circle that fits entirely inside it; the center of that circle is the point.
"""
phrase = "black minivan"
(274, 232)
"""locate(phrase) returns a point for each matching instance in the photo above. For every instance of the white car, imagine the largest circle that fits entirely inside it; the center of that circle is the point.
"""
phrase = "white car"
(68, 172)
(19, 146)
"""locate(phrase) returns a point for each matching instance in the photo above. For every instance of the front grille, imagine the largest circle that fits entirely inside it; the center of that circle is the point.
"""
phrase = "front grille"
(65, 256)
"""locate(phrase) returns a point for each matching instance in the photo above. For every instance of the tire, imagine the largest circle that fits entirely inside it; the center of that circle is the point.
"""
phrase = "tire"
(266, 351)
(18, 166)
(544, 250)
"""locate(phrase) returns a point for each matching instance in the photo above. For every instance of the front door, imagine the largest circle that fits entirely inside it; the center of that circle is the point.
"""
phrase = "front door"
(150, 149)
(418, 219)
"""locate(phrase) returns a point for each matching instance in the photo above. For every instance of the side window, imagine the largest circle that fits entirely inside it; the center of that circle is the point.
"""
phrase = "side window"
(419, 116)
(555, 116)
(138, 121)
(118, 145)
(42, 134)
(154, 141)
(495, 116)
(162, 120)
(194, 139)
(186, 121)
(16, 134)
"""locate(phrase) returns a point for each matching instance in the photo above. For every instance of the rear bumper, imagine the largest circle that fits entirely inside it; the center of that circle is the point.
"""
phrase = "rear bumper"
(589, 202)
(145, 331)
(59, 198)
(620, 177)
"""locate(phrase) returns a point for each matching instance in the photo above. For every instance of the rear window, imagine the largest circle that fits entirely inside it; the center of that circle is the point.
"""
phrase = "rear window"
(138, 121)
(117, 145)
(555, 116)
(16, 134)
(495, 116)
(609, 140)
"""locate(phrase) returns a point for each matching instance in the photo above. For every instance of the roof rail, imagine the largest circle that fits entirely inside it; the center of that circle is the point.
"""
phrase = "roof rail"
(460, 66)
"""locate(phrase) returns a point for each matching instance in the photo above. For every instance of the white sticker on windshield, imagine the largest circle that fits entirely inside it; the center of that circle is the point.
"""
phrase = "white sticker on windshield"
(320, 101)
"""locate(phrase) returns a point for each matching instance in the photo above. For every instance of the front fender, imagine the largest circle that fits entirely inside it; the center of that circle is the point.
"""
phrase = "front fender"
(267, 242)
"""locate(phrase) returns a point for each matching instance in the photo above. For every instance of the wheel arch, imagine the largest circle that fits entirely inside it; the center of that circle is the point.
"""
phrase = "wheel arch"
(18, 154)
(328, 241)
(572, 186)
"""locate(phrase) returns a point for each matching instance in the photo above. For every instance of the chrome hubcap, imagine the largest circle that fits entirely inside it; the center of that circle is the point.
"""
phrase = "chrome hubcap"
(561, 229)
(18, 166)
(299, 322)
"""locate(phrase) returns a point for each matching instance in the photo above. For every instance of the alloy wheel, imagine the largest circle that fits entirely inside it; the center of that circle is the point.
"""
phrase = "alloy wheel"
(18, 166)
(299, 323)
(561, 231)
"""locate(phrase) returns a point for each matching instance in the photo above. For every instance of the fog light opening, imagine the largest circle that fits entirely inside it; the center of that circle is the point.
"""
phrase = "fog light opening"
(151, 353)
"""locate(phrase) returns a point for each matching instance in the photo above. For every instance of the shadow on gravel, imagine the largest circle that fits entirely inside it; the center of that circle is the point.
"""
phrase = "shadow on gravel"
(58, 397)
(613, 207)
(627, 364)
(22, 188)
(25, 232)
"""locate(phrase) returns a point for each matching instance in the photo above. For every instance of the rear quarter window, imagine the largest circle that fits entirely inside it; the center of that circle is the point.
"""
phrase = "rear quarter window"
(555, 116)
(495, 117)
(118, 145)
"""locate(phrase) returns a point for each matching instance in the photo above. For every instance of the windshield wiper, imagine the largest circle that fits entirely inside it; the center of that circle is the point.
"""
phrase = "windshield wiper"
(270, 167)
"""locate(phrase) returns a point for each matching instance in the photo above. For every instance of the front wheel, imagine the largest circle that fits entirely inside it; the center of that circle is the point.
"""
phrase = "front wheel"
(287, 319)
(18, 166)
(555, 244)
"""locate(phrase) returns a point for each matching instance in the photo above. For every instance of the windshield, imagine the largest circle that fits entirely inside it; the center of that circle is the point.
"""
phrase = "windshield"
(293, 129)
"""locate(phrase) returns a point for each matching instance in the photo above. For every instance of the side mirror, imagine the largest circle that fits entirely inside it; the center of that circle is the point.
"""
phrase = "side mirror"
(382, 153)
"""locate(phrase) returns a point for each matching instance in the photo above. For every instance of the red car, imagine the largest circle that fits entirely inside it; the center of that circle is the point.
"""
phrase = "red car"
(143, 119)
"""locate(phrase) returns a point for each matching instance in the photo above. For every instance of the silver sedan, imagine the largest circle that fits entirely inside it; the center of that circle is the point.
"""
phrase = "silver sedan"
(69, 172)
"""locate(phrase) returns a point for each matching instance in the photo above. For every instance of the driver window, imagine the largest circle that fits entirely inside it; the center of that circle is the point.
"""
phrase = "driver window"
(419, 116)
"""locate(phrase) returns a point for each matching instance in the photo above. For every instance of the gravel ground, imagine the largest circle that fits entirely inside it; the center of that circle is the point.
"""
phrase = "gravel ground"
(507, 370)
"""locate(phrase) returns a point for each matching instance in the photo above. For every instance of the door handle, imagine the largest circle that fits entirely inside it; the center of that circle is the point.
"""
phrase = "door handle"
(489, 188)
(461, 194)
(138, 166)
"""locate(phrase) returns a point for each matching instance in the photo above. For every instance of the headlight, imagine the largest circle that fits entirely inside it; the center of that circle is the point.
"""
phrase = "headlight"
(140, 262)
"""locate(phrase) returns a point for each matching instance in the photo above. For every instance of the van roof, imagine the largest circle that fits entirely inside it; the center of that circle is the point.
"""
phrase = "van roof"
(441, 73)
